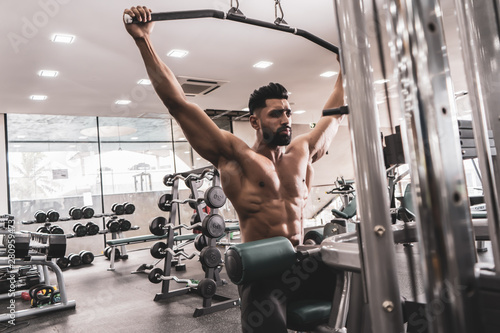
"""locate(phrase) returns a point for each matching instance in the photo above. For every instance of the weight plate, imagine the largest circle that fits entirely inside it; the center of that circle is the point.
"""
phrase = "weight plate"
(87, 212)
(165, 202)
(158, 250)
(213, 226)
(75, 213)
(210, 257)
(156, 226)
(207, 288)
(129, 208)
(92, 228)
(155, 275)
(200, 242)
(215, 197)
(125, 225)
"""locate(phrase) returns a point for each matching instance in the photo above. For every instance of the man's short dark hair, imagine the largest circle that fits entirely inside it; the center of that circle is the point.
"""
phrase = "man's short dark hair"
(259, 96)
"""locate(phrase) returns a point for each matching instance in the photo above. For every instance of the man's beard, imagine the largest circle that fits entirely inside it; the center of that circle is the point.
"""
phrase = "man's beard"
(277, 138)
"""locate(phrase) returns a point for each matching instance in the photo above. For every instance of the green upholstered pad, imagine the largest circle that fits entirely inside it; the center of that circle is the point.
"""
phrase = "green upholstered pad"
(181, 238)
(260, 259)
(315, 234)
(478, 214)
(307, 314)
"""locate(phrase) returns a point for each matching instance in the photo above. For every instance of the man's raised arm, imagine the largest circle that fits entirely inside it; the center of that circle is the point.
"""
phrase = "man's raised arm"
(321, 136)
(201, 132)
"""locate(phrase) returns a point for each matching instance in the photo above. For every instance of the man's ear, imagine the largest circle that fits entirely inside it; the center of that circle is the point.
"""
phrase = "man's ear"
(254, 121)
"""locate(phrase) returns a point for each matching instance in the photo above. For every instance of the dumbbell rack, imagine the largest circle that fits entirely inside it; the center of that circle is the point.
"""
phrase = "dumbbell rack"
(114, 234)
(212, 273)
(34, 249)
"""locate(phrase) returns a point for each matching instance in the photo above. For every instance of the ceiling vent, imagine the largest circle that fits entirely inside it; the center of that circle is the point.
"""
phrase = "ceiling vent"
(197, 87)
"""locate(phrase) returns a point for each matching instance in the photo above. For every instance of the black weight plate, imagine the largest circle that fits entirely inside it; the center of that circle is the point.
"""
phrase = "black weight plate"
(53, 216)
(62, 262)
(75, 213)
(75, 259)
(56, 230)
(165, 202)
(213, 226)
(40, 216)
(200, 242)
(158, 250)
(87, 212)
(215, 197)
(80, 230)
(113, 226)
(155, 274)
(210, 257)
(207, 288)
(87, 257)
(118, 209)
(125, 225)
(92, 228)
(129, 208)
(156, 226)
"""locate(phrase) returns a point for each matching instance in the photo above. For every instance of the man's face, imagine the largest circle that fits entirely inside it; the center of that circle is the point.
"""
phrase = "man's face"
(276, 120)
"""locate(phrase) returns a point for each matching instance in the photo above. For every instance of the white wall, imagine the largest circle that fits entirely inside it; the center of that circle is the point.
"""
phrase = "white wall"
(338, 161)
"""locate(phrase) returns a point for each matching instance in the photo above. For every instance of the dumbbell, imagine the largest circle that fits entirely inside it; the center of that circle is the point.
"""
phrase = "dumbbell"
(125, 225)
(62, 262)
(107, 253)
(207, 288)
(92, 228)
(40, 216)
(113, 225)
(79, 229)
(74, 259)
(129, 208)
(87, 257)
(75, 213)
(213, 226)
(52, 215)
(215, 197)
(200, 242)
(87, 212)
(56, 230)
(210, 257)
(118, 209)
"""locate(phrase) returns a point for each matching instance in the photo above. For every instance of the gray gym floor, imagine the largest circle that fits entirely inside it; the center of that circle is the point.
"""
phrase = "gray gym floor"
(118, 301)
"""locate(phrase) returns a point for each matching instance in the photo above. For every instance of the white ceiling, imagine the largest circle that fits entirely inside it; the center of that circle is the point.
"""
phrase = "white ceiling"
(103, 64)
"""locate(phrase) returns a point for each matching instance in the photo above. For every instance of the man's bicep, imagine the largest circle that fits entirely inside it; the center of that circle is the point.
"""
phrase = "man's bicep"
(206, 138)
(320, 138)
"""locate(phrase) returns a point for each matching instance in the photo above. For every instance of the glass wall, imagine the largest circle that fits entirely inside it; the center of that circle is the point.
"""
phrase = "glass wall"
(60, 162)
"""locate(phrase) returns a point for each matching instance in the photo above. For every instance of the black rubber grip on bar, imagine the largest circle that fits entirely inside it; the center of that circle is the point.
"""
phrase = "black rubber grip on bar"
(337, 111)
(184, 15)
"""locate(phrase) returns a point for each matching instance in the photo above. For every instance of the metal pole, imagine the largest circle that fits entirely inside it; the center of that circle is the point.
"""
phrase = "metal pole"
(379, 266)
(432, 146)
(479, 34)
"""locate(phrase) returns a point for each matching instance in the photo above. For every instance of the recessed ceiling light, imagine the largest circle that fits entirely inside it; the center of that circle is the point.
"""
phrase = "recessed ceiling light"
(48, 73)
(72, 146)
(263, 64)
(288, 93)
(380, 81)
(164, 146)
(123, 102)
(82, 137)
(182, 139)
(198, 158)
(177, 53)
(145, 82)
(68, 39)
(134, 138)
(38, 97)
(187, 152)
(245, 109)
(16, 146)
(328, 74)
(21, 136)
(299, 112)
